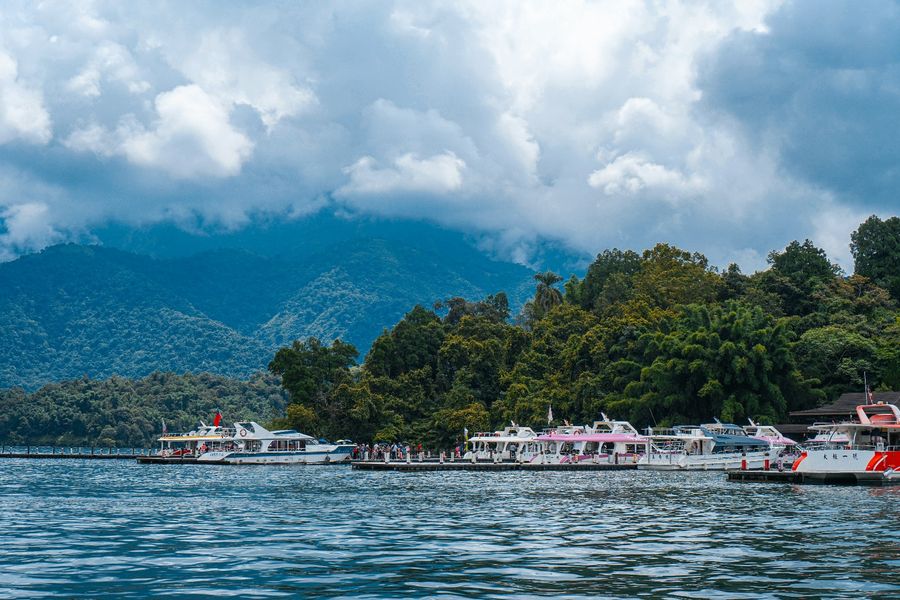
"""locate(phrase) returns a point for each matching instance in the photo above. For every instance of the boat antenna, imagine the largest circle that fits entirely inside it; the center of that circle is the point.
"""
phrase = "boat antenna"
(651, 416)
(870, 399)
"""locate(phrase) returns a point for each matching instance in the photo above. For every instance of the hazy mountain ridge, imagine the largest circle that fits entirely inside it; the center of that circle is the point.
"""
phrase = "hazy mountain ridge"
(76, 310)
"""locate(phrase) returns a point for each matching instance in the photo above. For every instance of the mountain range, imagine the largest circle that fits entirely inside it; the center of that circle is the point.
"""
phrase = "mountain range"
(160, 299)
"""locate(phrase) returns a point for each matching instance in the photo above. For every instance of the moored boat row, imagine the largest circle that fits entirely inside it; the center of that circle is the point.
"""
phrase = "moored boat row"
(861, 450)
(249, 442)
(716, 446)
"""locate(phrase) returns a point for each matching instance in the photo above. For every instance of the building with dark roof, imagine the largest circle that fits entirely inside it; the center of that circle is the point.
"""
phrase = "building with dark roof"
(842, 409)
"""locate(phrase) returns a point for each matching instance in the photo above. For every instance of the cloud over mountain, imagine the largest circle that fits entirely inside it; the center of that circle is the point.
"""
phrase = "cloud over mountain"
(725, 128)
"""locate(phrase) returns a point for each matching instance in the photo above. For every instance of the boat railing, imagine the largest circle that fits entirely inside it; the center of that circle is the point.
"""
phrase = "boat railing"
(47, 451)
(229, 432)
(852, 447)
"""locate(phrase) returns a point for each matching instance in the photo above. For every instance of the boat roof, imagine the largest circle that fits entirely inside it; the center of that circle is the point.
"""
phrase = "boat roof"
(591, 437)
(204, 433)
(871, 416)
(509, 434)
(775, 439)
(255, 431)
(252, 430)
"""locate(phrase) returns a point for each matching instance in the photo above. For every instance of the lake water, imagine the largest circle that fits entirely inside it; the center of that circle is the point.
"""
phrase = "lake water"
(118, 529)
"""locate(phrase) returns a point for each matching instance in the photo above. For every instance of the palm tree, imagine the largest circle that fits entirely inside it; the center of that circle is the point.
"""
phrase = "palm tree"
(546, 296)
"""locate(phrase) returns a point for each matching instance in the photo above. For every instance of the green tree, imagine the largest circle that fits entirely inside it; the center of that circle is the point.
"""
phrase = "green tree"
(796, 274)
(876, 251)
(611, 268)
(309, 370)
(546, 296)
(670, 276)
(731, 361)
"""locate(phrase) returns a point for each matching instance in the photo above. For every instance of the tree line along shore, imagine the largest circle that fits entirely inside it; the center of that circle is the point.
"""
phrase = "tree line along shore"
(659, 337)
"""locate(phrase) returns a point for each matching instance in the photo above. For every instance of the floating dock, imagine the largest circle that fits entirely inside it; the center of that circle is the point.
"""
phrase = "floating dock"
(874, 478)
(167, 460)
(461, 465)
(83, 454)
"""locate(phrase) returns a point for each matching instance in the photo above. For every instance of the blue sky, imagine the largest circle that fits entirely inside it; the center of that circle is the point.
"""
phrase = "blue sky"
(727, 128)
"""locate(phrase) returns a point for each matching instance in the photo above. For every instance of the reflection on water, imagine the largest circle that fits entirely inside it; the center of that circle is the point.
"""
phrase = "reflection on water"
(98, 528)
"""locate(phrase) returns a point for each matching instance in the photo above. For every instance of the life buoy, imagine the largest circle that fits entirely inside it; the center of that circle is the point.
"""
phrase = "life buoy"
(243, 433)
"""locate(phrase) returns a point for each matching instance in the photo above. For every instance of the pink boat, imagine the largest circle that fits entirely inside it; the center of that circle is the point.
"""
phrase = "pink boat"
(606, 441)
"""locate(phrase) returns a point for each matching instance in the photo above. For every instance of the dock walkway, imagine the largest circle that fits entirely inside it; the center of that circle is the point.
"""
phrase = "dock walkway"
(72, 452)
(168, 460)
(875, 478)
(461, 465)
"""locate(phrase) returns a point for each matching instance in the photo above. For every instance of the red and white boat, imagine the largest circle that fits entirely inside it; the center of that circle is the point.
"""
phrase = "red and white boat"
(869, 450)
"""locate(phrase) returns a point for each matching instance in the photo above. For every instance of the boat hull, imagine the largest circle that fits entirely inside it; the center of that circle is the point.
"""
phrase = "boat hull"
(706, 462)
(337, 454)
(838, 464)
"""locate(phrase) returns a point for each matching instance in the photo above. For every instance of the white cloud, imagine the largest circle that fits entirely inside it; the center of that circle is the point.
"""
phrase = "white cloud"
(27, 228)
(223, 64)
(631, 174)
(112, 61)
(439, 174)
(190, 137)
(22, 112)
(580, 122)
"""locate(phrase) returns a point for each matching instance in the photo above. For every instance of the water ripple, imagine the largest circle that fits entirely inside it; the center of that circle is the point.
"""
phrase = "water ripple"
(114, 528)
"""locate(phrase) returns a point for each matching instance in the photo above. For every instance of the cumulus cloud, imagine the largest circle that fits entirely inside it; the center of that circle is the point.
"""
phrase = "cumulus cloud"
(191, 136)
(22, 112)
(224, 65)
(113, 62)
(439, 174)
(729, 128)
(632, 173)
(26, 229)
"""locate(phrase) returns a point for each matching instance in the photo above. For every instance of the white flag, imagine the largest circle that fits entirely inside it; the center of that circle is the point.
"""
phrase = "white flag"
(549, 414)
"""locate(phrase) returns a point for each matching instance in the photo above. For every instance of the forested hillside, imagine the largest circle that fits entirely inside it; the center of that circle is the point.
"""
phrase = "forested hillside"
(129, 412)
(76, 310)
(658, 337)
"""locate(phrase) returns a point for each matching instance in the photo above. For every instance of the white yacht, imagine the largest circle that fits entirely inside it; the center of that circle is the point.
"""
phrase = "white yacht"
(189, 445)
(715, 446)
(605, 441)
(249, 442)
(513, 443)
(788, 449)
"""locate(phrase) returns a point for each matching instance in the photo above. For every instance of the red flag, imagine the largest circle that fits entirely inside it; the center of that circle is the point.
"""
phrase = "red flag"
(218, 420)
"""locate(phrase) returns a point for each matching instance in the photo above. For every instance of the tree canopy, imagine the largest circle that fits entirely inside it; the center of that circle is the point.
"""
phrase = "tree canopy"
(659, 337)
(656, 337)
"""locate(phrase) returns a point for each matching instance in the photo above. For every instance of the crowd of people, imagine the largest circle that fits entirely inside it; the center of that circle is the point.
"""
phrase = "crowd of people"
(399, 451)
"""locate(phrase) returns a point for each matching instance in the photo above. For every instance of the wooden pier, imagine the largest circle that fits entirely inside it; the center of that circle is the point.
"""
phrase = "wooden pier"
(875, 478)
(461, 465)
(73, 453)
(168, 460)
